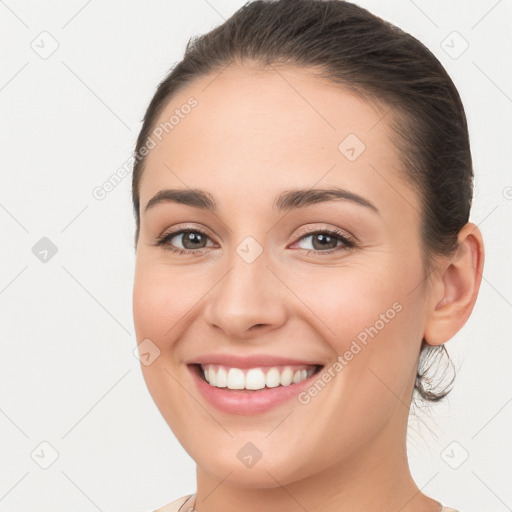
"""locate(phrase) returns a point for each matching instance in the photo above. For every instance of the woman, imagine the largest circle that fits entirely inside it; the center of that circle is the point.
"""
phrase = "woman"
(302, 190)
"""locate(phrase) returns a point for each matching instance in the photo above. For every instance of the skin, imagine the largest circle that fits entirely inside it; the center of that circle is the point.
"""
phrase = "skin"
(251, 137)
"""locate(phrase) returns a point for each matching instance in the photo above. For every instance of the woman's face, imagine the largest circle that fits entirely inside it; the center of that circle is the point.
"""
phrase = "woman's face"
(268, 278)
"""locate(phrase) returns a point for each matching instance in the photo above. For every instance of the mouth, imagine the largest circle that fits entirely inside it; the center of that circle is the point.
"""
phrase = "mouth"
(241, 401)
(255, 379)
(239, 384)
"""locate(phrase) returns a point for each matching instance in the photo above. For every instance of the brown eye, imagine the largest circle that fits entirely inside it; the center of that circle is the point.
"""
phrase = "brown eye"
(322, 241)
(326, 241)
(192, 239)
(184, 241)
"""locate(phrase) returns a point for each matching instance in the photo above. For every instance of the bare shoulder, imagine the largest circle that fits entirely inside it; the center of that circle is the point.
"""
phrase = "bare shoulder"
(175, 505)
(448, 509)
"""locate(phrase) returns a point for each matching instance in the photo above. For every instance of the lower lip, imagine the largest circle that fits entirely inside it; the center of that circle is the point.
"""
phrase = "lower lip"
(248, 402)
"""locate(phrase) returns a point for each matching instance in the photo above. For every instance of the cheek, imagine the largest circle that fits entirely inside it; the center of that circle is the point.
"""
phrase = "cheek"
(371, 328)
(161, 301)
(156, 314)
(148, 307)
(345, 301)
(367, 299)
(370, 319)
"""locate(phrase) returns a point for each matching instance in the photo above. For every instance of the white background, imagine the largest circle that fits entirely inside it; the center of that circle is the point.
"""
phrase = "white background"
(68, 375)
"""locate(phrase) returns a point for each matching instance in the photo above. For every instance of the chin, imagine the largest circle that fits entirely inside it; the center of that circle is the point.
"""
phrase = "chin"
(264, 474)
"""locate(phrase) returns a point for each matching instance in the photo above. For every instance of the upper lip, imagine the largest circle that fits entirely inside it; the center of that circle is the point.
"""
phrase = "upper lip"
(252, 361)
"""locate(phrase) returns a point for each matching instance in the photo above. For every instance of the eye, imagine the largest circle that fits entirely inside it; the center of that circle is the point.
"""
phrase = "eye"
(192, 241)
(326, 241)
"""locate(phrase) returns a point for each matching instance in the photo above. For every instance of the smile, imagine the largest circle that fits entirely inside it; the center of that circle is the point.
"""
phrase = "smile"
(221, 376)
(250, 391)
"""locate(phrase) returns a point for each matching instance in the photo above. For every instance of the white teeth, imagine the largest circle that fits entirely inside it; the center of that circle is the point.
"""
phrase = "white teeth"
(273, 378)
(254, 378)
(212, 376)
(286, 377)
(236, 378)
(221, 378)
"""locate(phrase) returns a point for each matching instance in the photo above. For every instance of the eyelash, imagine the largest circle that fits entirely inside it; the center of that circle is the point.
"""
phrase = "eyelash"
(349, 243)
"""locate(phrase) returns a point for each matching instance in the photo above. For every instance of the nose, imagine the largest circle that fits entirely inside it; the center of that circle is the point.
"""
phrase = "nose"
(248, 301)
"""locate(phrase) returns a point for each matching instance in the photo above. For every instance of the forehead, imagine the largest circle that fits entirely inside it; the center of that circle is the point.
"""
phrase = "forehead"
(268, 129)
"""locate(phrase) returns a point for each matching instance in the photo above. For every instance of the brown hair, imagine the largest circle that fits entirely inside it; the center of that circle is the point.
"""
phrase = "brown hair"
(353, 48)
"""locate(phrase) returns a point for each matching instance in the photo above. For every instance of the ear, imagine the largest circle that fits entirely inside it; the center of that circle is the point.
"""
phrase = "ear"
(455, 287)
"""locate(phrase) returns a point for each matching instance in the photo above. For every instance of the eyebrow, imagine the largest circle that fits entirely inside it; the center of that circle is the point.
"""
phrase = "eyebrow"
(288, 200)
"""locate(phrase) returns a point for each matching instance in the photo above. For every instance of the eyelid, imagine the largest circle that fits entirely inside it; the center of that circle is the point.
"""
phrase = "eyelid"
(175, 230)
(320, 229)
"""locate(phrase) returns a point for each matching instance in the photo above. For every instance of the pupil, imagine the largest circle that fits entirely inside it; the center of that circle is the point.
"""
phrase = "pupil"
(324, 239)
(192, 237)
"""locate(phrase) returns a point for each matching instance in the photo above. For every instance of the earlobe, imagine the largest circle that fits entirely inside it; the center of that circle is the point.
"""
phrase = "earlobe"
(456, 287)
